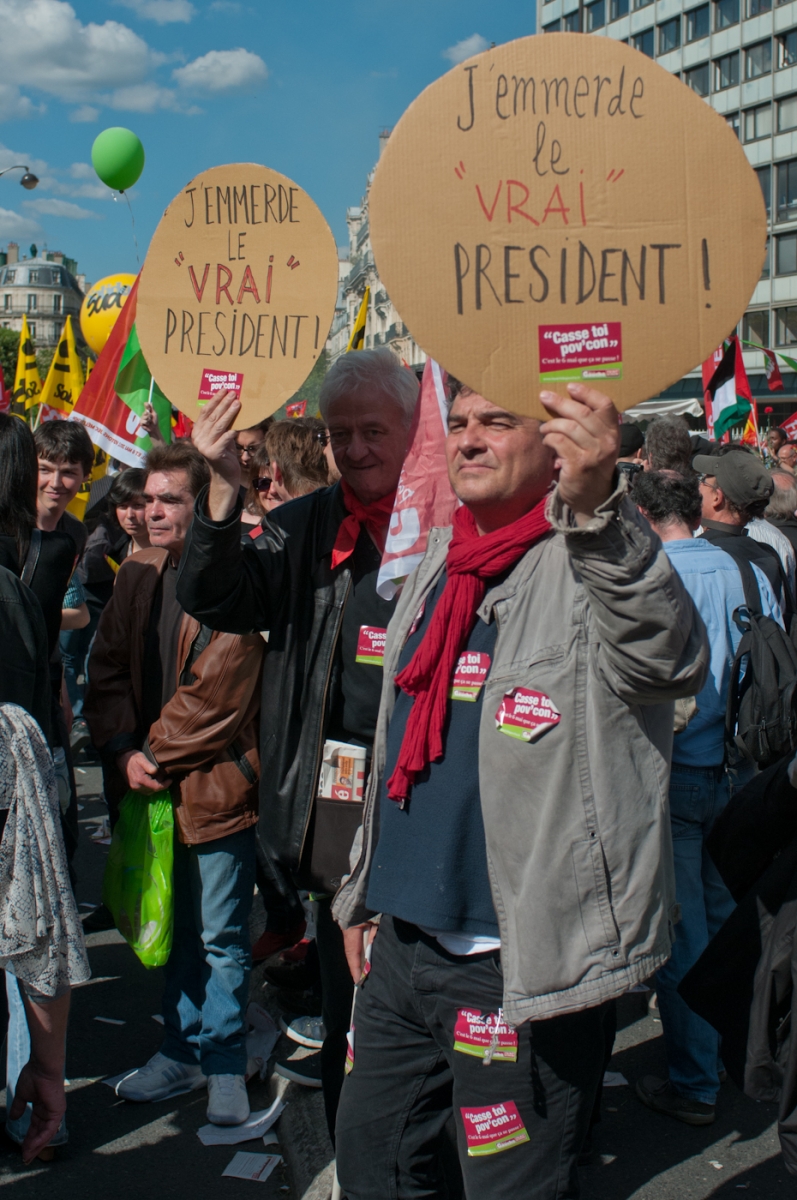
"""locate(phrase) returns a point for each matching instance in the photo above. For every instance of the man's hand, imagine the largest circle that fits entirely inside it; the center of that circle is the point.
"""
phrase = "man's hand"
(585, 436)
(356, 941)
(214, 439)
(45, 1091)
(149, 423)
(141, 774)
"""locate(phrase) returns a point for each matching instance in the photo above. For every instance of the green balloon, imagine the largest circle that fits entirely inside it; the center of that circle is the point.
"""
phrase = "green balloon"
(118, 158)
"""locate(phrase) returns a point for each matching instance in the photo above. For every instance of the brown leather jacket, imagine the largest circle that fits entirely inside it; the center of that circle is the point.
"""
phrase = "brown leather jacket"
(207, 736)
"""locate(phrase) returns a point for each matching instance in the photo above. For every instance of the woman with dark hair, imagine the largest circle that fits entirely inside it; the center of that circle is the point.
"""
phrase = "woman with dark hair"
(43, 560)
(116, 527)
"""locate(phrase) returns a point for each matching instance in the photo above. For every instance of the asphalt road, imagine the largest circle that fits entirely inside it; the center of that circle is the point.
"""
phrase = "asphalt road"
(118, 1148)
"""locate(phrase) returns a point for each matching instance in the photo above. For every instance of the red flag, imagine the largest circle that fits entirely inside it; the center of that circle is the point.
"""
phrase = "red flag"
(790, 426)
(110, 423)
(297, 409)
(424, 498)
(181, 427)
(774, 377)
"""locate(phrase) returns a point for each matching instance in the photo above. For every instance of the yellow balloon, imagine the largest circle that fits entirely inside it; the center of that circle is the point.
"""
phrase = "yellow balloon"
(101, 307)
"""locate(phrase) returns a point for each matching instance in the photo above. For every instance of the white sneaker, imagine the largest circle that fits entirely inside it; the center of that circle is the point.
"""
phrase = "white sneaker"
(160, 1079)
(228, 1103)
(307, 1031)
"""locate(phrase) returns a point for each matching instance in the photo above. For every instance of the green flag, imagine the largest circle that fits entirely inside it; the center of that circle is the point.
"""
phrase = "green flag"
(135, 385)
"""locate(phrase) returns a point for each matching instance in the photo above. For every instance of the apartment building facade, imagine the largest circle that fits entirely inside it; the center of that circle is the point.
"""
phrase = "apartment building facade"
(741, 57)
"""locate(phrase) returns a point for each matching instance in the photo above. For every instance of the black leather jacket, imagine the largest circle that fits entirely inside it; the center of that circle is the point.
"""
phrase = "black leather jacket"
(283, 582)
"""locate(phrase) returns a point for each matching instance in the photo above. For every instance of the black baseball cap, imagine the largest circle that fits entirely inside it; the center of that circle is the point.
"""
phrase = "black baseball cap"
(742, 477)
(631, 439)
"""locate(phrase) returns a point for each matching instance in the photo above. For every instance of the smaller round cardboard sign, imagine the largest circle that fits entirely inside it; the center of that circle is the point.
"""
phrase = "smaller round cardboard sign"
(561, 208)
(237, 291)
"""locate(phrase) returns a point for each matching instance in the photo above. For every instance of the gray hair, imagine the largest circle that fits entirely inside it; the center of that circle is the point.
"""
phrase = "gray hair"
(783, 501)
(370, 371)
(667, 445)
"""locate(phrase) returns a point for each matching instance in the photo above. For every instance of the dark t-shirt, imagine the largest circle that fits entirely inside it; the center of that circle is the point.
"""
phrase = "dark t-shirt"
(356, 686)
(163, 634)
(430, 865)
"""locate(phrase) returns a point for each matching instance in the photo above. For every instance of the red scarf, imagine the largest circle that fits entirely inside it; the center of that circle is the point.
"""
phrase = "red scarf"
(471, 561)
(375, 517)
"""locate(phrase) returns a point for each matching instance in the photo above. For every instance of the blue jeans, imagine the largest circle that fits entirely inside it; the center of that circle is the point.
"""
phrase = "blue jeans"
(75, 647)
(697, 797)
(17, 1055)
(207, 975)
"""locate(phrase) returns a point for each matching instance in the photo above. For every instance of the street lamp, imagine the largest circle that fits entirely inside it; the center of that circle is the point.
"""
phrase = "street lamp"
(28, 180)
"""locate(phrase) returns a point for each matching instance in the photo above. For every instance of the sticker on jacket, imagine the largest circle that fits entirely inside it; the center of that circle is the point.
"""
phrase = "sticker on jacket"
(526, 714)
(493, 1128)
(349, 1052)
(469, 675)
(371, 645)
(479, 1035)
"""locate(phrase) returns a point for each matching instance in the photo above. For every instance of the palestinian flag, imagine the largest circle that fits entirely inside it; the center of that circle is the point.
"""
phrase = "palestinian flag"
(726, 389)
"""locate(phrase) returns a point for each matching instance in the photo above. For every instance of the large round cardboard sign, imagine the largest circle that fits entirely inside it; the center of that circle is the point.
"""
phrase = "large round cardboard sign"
(237, 290)
(561, 208)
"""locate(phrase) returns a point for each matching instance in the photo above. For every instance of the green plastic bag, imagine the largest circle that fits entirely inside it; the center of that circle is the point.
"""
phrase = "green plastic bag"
(138, 887)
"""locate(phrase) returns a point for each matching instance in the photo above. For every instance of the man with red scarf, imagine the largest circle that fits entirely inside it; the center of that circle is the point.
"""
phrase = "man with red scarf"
(516, 839)
(309, 579)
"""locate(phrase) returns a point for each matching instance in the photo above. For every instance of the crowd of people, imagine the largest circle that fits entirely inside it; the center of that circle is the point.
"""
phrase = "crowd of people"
(489, 870)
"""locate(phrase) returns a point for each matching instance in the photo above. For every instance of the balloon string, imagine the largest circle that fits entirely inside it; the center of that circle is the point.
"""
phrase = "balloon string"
(133, 222)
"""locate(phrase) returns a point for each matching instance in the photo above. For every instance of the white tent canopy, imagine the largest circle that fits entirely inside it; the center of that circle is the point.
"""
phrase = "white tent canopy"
(664, 408)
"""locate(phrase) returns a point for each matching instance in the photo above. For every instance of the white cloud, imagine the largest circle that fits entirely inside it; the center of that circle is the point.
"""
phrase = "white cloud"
(224, 6)
(15, 106)
(80, 183)
(163, 12)
(44, 45)
(48, 207)
(222, 71)
(13, 225)
(466, 48)
(85, 114)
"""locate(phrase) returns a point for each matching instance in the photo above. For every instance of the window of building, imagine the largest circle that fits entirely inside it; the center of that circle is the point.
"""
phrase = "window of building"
(9, 276)
(697, 23)
(758, 122)
(787, 190)
(732, 119)
(33, 277)
(787, 48)
(32, 328)
(785, 326)
(697, 79)
(32, 303)
(572, 22)
(758, 60)
(726, 71)
(595, 16)
(765, 268)
(8, 302)
(786, 254)
(755, 327)
(765, 179)
(642, 3)
(726, 13)
(552, 27)
(56, 304)
(670, 35)
(756, 7)
(787, 114)
(643, 42)
(617, 9)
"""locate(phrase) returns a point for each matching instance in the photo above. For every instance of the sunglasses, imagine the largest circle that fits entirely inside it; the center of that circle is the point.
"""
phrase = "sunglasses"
(262, 485)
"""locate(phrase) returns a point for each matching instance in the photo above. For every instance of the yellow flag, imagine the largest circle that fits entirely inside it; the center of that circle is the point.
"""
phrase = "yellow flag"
(77, 505)
(64, 381)
(357, 339)
(27, 383)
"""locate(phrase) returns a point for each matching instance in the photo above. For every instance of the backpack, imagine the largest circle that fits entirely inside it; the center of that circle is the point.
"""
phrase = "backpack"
(760, 719)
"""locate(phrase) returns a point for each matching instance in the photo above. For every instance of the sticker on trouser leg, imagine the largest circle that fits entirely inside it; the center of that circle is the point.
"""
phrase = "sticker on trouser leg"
(485, 1036)
(349, 1051)
(493, 1128)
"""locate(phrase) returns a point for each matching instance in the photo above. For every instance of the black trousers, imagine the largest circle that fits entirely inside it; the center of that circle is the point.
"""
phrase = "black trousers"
(526, 1120)
(337, 990)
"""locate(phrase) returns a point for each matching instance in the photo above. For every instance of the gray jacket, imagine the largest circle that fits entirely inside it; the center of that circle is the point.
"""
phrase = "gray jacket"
(577, 822)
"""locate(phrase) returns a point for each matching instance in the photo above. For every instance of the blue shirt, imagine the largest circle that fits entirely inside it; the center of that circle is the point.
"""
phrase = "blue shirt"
(430, 863)
(713, 581)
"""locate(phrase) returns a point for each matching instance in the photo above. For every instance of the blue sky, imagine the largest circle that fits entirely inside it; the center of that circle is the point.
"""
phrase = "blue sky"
(303, 87)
